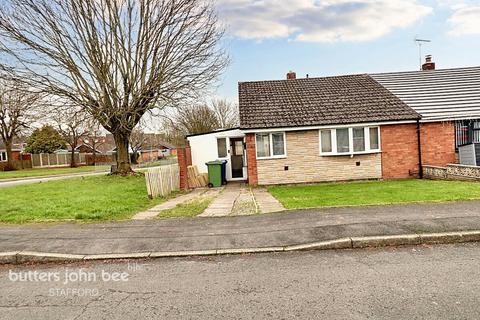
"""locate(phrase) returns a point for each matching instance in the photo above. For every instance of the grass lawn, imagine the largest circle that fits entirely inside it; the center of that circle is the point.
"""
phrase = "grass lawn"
(47, 172)
(189, 209)
(374, 193)
(90, 198)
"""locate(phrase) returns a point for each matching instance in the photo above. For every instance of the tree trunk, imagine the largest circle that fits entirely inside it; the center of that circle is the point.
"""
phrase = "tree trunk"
(94, 152)
(123, 157)
(72, 158)
(10, 162)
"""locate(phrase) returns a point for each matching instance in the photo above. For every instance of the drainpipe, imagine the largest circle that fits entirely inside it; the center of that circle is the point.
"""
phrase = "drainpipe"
(420, 164)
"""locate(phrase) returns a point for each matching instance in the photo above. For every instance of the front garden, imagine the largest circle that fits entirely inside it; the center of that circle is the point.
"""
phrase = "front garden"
(374, 193)
(86, 199)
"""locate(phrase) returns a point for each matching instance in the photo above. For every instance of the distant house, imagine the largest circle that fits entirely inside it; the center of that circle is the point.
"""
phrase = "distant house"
(151, 147)
(17, 150)
(353, 127)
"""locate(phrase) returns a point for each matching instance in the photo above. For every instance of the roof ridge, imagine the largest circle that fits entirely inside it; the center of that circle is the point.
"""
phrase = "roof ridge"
(424, 71)
(309, 78)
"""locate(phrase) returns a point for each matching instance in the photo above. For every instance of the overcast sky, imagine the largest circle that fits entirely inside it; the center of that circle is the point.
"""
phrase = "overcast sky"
(267, 38)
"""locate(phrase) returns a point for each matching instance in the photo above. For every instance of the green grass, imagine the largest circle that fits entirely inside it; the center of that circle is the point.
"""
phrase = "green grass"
(87, 199)
(374, 193)
(189, 209)
(48, 172)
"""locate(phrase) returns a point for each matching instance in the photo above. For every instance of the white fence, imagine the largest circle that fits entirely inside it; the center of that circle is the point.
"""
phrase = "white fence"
(45, 160)
(162, 181)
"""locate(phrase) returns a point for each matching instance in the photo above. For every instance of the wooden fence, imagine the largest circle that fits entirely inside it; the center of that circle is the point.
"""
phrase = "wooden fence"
(162, 181)
(45, 160)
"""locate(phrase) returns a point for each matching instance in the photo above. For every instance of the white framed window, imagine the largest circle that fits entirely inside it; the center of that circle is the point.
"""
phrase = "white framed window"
(3, 156)
(271, 145)
(347, 141)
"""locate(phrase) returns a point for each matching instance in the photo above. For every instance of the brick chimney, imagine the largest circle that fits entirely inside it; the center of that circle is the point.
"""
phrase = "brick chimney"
(291, 75)
(428, 65)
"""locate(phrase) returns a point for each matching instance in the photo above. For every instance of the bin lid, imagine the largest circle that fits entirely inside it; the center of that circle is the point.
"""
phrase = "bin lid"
(216, 162)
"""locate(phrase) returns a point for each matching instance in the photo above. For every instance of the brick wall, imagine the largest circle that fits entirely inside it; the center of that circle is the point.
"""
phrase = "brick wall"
(438, 143)
(305, 165)
(399, 151)
(251, 159)
(184, 157)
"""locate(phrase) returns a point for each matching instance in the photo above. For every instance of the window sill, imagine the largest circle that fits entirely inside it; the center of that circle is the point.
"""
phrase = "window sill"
(272, 158)
(350, 154)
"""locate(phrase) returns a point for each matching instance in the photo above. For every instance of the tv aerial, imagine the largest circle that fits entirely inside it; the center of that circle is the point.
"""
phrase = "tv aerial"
(420, 43)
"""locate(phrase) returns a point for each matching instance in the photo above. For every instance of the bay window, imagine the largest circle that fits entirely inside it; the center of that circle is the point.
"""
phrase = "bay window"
(354, 140)
(270, 145)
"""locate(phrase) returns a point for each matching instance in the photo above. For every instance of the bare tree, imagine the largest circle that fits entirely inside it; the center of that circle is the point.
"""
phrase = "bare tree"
(94, 138)
(18, 111)
(226, 112)
(116, 59)
(72, 125)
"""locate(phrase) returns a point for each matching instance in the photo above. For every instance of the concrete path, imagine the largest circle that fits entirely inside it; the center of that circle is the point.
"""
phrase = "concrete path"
(255, 231)
(31, 180)
(236, 200)
(170, 204)
(266, 202)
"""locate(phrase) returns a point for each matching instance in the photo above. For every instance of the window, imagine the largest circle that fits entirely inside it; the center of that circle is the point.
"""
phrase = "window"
(270, 145)
(355, 140)
(222, 147)
(326, 141)
(374, 139)
(263, 145)
(3, 156)
(278, 144)
(358, 139)
(343, 141)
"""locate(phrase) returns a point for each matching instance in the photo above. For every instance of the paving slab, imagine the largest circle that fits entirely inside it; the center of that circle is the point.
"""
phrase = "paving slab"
(266, 202)
(223, 204)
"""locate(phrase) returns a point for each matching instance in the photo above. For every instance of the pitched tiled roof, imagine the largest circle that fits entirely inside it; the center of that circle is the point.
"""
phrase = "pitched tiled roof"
(318, 101)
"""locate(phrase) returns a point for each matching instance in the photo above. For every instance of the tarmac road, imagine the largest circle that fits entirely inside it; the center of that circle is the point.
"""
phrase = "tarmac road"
(426, 282)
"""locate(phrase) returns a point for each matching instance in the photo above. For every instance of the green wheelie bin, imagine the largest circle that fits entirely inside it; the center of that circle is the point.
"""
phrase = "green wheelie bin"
(214, 174)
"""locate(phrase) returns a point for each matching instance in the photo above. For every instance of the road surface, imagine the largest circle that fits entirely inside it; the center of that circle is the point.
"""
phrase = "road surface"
(439, 282)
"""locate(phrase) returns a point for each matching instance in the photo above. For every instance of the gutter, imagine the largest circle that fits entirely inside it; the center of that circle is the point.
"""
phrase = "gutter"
(419, 143)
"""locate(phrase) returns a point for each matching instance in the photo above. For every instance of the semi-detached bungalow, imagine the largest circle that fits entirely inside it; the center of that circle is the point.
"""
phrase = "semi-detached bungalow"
(354, 127)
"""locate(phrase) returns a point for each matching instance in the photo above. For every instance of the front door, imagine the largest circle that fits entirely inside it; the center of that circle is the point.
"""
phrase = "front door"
(236, 157)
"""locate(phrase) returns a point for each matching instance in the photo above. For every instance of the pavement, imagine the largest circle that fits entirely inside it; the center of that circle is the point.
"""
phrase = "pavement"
(31, 180)
(285, 231)
(423, 282)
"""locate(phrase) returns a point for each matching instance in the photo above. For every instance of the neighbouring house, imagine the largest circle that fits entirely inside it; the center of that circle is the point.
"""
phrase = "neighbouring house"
(17, 150)
(152, 147)
(354, 127)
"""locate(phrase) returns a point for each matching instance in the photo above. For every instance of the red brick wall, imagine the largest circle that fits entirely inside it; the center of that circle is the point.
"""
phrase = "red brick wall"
(184, 157)
(438, 143)
(251, 159)
(399, 151)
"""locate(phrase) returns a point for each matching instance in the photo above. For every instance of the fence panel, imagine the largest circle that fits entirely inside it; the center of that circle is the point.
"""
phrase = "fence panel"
(162, 181)
(45, 160)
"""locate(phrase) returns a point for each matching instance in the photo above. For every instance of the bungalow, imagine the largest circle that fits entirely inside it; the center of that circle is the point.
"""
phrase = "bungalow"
(354, 127)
